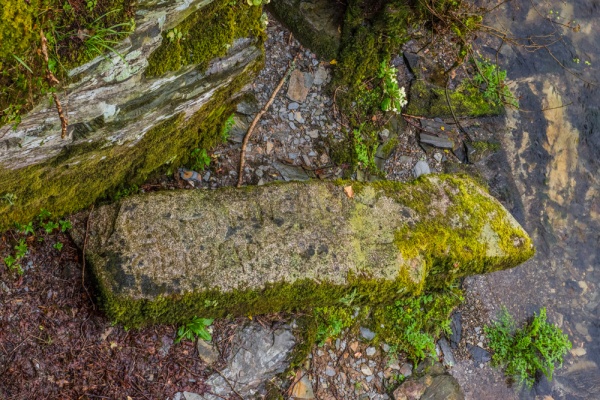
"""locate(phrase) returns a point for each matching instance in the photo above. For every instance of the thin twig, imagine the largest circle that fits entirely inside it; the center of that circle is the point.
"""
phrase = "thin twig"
(64, 122)
(49, 75)
(259, 116)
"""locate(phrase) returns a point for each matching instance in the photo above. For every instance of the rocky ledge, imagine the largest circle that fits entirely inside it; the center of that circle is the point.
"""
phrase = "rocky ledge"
(166, 256)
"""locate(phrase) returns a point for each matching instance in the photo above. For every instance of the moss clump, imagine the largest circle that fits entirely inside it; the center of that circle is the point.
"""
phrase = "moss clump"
(429, 100)
(206, 34)
(73, 33)
(444, 250)
(82, 173)
(411, 325)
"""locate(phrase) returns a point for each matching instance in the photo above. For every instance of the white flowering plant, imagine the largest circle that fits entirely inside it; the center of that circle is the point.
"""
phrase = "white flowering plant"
(394, 96)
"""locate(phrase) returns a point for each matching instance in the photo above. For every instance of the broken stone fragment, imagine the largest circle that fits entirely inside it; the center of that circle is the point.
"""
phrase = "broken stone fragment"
(161, 257)
(440, 141)
(299, 86)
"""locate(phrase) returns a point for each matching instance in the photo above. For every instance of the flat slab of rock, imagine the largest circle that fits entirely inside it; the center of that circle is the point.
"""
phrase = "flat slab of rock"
(440, 141)
(163, 256)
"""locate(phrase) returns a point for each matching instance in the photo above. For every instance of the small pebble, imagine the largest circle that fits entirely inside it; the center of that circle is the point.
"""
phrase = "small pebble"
(293, 106)
(370, 351)
(366, 370)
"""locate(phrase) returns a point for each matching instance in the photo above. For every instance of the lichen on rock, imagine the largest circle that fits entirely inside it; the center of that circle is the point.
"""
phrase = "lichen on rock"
(159, 257)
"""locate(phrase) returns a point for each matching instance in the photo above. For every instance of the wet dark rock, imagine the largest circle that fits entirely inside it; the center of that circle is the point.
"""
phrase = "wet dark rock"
(412, 61)
(460, 153)
(456, 327)
(442, 141)
(480, 356)
(314, 22)
(582, 378)
(290, 172)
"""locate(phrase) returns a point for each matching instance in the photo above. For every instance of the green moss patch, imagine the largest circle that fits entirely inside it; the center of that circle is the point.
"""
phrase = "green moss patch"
(204, 35)
(76, 32)
(429, 100)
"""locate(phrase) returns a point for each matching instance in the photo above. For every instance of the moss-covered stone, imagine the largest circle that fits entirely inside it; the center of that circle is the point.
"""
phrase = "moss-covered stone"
(428, 100)
(82, 173)
(123, 126)
(167, 256)
(205, 35)
(315, 23)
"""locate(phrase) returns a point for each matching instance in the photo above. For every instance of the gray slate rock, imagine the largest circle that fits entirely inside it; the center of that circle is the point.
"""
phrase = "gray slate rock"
(421, 168)
(291, 172)
(257, 355)
(480, 356)
(456, 327)
(442, 141)
(447, 351)
(366, 333)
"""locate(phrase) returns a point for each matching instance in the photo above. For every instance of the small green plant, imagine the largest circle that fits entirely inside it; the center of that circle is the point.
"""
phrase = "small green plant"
(523, 352)
(65, 225)
(491, 79)
(200, 158)
(21, 249)
(25, 229)
(174, 35)
(394, 97)
(49, 226)
(331, 322)
(12, 264)
(58, 246)
(125, 192)
(227, 128)
(90, 5)
(257, 2)
(10, 198)
(44, 215)
(364, 154)
(196, 327)
(411, 325)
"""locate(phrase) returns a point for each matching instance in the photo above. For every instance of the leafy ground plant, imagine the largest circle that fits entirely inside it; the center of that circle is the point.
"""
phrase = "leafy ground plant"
(524, 352)
(394, 96)
(492, 80)
(412, 325)
(197, 327)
